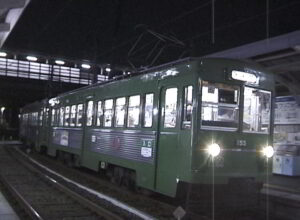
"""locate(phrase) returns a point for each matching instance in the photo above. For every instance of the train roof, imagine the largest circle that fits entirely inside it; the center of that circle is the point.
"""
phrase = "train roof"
(160, 67)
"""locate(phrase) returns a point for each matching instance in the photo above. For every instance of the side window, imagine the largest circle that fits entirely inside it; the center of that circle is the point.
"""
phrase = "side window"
(57, 117)
(108, 112)
(134, 111)
(170, 108)
(41, 118)
(73, 116)
(61, 116)
(99, 113)
(120, 112)
(79, 115)
(148, 110)
(67, 116)
(52, 117)
(89, 113)
(47, 116)
(187, 107)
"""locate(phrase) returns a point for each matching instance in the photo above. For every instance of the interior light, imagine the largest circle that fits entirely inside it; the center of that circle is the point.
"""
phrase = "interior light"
(108, 69)
(268, 151)
(243, 76)
(3, 54)
(85, 66)
(59, 62)
(214, 150)
(31, 58)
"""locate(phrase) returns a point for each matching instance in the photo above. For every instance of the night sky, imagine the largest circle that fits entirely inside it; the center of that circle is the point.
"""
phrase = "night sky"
(105, 31)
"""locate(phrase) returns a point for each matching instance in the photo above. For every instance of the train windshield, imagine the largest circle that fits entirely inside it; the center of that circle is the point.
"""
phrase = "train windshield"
(220, 106)
(257, 108)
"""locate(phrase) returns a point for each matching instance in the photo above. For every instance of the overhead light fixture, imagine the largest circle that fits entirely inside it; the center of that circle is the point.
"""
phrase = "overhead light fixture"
(31, 58)
(108, 69)
(59, 62)
(3, 54)
(85, 66)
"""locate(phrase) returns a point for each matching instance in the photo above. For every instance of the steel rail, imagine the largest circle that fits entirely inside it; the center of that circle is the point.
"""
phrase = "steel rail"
(21, 200)
(93, 207)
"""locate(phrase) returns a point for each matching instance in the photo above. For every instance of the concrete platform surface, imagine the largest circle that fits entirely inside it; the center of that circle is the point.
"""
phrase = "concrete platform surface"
(6, 211)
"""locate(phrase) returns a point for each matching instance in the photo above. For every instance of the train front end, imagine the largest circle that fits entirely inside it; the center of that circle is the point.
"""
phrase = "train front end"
(234, 124)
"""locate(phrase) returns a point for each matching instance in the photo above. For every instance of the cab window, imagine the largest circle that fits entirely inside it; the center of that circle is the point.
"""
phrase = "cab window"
(257, 110)
(220, 106)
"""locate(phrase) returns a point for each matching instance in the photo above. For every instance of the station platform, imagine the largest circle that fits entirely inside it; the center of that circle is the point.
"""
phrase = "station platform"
(6, 211)
(288, 183)
(282, 196)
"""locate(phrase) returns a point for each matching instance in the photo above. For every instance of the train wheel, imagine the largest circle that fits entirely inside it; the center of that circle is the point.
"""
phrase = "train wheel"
(117, 176)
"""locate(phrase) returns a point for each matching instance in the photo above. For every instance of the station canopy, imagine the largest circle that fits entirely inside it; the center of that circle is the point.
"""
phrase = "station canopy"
(10, 12)
(280, 55)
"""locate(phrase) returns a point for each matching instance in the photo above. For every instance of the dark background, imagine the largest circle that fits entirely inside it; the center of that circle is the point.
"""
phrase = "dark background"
(105, 31)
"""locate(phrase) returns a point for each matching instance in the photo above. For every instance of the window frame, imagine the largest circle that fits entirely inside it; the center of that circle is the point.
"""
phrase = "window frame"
(70, 124)
(82, 115)
(97, 115)
(221, 128)
(115, 112)
(67, 123)
(184, 108)
(144, 109)
(177, 108)
(112, 113)
(242, 112)
(140, 111)
(93, 113)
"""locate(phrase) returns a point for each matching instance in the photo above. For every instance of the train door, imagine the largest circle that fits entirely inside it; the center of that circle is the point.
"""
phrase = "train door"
(87, 122)
(167, 140)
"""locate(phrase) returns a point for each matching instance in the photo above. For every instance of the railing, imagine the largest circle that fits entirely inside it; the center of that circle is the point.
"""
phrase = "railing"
(42, 71)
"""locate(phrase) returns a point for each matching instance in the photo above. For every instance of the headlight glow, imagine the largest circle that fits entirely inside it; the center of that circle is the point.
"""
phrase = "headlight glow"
(268, 151)
(214, 150)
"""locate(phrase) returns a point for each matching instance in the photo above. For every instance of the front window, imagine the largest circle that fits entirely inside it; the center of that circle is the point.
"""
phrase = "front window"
(220, 106)
(257, 108)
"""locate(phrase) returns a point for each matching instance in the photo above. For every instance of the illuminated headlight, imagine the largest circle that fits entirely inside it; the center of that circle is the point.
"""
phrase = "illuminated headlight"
(268, 151)
(214, 150)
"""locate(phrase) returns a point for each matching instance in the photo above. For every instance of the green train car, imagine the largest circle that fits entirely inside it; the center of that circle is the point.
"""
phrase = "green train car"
(193, 121)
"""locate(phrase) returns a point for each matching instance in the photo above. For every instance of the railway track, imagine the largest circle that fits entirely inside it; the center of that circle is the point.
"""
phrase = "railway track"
(41, 196)
(127, 204)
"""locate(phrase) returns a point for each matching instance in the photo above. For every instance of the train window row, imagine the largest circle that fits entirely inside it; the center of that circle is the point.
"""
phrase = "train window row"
(133, 111)
(119, 112)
